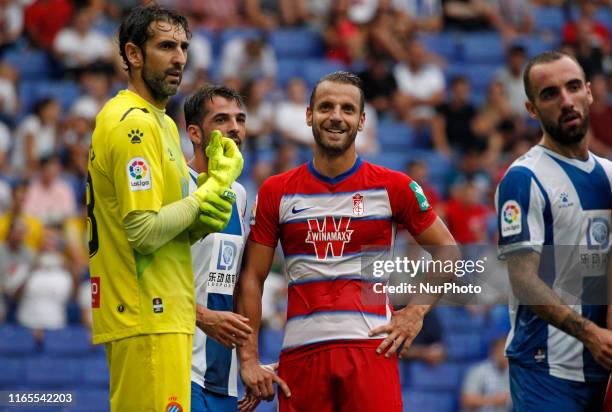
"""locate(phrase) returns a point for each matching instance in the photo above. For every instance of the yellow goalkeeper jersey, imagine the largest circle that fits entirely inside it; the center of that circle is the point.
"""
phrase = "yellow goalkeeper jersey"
(136, 163)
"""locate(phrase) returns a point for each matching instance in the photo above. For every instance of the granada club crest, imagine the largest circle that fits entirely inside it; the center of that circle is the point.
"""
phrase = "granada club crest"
(358, 204)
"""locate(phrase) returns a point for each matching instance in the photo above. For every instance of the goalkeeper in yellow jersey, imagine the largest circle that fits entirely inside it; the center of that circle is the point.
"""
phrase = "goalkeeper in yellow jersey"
(142, 220)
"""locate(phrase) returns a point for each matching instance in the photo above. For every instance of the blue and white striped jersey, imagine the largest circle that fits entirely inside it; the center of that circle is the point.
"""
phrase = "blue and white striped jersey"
(216, 265)
(559, 207)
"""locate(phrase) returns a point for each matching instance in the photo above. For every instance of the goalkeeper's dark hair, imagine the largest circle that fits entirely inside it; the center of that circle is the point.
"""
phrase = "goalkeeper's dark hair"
(543, 58)
(344, 78)
(136, 27)
(195, 107)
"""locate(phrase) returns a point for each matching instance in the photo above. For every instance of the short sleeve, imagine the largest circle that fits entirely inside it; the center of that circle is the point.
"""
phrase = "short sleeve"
(409, 204)
(520, 205)
(135, 164)
(472, 384)
(265, 216)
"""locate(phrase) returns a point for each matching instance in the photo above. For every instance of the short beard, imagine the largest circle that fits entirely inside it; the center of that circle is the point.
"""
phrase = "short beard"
(332, 151)
(567, 137)
(158, 88)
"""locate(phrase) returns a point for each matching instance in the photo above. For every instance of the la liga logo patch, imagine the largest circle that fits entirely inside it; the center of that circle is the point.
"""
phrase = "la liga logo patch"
(139, 174)
(511, 223)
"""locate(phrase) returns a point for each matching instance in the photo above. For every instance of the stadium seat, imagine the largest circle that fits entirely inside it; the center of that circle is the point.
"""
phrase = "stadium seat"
(51, 373)
(483, 48)
(94, 372)
(314, 69)
(479, 74)
(296, 43)
(464, 347)
(65, 92)
(395, 160)
(443, 377)
(439, 166)
(90, 400)
(12, 372)
(444, 44)
(287, 69)
(459, 320)
(549, 19)
(417, 401)
(70, 341)
(31, 64)
(229, 34)
(16, 341)
(394, 135)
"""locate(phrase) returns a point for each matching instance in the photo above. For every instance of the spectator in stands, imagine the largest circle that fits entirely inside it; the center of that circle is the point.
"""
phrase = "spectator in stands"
(601, 113)
(366, 141)
(493, 116)
(428, 345)
(196, 73)
(95, 83)
(486, 386)
(83, 298)
(9, 77)
(274, 302)
(32, 226)
(5, 146)
(597, 32)
(44, 19)
(512, 17)
(389, 31)
(589, 53)
(78, 45)
(511, 78)
(36, 136)
(269, 14)
(466, 216)
(244, 59)
(345, 40)
(211, 14)
(258, 140)
(289, 119)
(452, 124)
(379, 84)
(42, 293)
(49, 197)
(420, 85)
(76, 137)
(422, 15)
(419, 172)
(11, 23)
(16, 258)
(469, 15)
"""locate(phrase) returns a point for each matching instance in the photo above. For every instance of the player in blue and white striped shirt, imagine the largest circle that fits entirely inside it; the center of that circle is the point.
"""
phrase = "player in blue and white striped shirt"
(216, 261)
(553, 209)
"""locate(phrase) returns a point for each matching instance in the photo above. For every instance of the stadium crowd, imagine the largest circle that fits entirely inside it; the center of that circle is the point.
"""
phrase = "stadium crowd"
(445, 103)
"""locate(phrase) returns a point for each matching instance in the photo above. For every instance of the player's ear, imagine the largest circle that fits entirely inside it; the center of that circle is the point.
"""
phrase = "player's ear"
(195, 134)
(308, 116)
(134, 55)
(362, 119)
(531, 109)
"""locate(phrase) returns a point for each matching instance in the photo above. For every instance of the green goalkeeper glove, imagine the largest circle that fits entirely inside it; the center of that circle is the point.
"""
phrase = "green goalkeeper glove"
(224, 159)
(215, 206)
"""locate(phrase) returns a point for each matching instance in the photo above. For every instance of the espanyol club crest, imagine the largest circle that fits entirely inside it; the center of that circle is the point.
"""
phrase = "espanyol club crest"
(357, 204)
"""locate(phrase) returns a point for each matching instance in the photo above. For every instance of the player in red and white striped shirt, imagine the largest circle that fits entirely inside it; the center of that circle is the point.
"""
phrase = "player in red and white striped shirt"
(325, 213)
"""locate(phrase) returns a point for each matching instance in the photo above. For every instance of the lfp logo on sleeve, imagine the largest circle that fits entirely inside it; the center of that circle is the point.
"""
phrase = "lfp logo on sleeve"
(139, 174)
(511, 223)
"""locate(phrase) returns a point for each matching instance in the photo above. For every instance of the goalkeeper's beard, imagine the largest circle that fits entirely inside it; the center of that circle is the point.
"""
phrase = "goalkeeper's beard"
(155, 82)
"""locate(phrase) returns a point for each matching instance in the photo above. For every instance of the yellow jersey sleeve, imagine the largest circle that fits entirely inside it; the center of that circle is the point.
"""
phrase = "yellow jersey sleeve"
(136, 167)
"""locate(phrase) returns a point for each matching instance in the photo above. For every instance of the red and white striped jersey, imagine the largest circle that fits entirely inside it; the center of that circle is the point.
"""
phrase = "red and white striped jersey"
(325, 227)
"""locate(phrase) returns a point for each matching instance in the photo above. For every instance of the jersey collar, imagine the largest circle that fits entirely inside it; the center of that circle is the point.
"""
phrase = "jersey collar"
(337, 179)
(585, 165)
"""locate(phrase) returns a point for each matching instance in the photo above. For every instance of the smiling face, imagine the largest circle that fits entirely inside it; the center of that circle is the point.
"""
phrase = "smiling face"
(163, 59)
(335, 117)
(560, 100)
